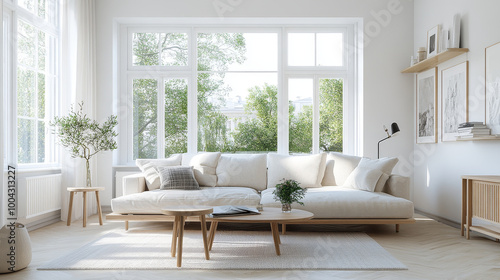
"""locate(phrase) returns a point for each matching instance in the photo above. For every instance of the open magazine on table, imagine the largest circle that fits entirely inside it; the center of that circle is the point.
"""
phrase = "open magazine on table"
(230, 210)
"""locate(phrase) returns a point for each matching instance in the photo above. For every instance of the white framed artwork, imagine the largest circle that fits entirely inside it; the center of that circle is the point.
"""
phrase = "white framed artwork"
(433, 41)
(427, 106)
(492, 82)
(454, 99)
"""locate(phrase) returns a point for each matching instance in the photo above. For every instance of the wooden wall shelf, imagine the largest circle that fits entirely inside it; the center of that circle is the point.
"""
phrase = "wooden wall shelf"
(489, 137)
(435, 60)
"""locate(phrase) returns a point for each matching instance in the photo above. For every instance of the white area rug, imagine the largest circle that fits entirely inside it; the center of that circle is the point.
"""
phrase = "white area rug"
(231, 250)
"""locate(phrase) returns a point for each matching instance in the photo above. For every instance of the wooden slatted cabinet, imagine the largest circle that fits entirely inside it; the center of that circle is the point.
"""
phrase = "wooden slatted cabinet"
(481, 201)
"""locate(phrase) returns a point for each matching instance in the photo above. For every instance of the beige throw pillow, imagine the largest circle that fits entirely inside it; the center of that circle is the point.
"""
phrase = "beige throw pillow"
(148, 168)
(307, 170)
(385, 165)
(364, 179)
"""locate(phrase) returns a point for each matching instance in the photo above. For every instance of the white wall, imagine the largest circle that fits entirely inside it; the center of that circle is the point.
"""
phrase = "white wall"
(387, 93)
(437, 183)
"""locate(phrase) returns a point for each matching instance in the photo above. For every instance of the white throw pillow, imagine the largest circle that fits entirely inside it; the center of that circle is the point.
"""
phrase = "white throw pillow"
(242, 170)
(204, 165)
(148, 167)
(338, 167)
(385, 165)
(307, 170)
(364, 179)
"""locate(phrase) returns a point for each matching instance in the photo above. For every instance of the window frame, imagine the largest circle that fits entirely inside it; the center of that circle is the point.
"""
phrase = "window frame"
(51, 27)
(349, 27)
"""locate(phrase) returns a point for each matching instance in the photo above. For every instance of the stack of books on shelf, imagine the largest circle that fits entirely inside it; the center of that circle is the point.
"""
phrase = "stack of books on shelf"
(471, 130)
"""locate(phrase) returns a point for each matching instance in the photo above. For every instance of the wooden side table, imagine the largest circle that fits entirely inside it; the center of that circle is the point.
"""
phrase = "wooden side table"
(481, 200)
(180, 215)
(84, 191)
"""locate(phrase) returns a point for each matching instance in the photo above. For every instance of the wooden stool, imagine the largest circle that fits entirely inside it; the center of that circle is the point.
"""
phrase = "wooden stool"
(84, 191)
(180, 215)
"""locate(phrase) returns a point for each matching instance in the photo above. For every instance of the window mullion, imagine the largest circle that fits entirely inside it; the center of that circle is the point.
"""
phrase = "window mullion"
(192, 146)
(315, 128)
(283, 129)
(160, 139)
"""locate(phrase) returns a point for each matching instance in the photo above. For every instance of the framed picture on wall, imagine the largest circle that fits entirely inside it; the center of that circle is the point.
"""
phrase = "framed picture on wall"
(454, 99)
(492, 81)
(426, 106)
(432, 41)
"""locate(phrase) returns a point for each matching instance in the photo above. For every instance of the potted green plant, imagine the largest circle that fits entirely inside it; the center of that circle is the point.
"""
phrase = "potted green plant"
(84, 137)
(287, 193)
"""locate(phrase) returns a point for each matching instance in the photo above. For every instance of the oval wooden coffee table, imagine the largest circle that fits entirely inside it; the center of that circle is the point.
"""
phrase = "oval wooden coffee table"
(273, 216)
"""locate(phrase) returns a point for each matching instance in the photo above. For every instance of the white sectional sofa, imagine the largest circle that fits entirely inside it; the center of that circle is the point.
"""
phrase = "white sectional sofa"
(341, 189)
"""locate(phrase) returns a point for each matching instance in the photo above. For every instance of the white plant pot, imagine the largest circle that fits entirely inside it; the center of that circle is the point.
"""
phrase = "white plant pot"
(15, 248)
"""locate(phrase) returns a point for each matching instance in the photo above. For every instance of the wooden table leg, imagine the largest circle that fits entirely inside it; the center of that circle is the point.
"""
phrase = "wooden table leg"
(71, 195)
(84, 209)
(174, 236)
(181, 236)
(275, 233)
(211, 237)
(283, 229)
(126, 225)
(204, 232)
(464, 206)
(469, 207)
(99, 212)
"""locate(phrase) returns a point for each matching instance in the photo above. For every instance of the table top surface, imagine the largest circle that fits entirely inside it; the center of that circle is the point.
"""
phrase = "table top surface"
(85, 189)
(491, 178)
(268, 215)
(187, 211)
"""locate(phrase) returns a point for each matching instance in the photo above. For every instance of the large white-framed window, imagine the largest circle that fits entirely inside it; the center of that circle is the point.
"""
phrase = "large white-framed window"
(245, 85)
(32, 57)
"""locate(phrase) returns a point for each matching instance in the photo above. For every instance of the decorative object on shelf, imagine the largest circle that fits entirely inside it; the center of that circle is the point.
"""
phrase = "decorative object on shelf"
(473, 131)
(394, 131)
(454, 40)
(492, 82)
(454, 99)
(443, 40)
(14, 256)
(84, 137)
(426, 106)
(433, 41)
(422, 54)
(287, 193)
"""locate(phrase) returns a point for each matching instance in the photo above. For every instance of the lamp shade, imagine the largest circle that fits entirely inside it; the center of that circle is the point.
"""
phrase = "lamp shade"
(394, 128)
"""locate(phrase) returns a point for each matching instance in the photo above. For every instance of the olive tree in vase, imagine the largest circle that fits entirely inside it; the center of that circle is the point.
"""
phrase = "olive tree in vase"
(287, 193)
(84, 137)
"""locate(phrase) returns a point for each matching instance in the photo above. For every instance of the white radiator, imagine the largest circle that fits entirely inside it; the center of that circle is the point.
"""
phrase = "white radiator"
(43, 194)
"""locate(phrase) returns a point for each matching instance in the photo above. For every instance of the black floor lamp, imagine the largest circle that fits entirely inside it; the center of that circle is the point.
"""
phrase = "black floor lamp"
(394, 130)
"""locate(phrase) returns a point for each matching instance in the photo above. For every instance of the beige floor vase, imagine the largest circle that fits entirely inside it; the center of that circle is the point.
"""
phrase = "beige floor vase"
(15, 248)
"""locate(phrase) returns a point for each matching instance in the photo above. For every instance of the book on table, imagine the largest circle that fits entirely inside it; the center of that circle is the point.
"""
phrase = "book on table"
(230, 210)
(472, 124)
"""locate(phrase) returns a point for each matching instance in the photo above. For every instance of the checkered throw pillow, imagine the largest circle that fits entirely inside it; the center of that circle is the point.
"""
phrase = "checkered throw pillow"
(177, 177)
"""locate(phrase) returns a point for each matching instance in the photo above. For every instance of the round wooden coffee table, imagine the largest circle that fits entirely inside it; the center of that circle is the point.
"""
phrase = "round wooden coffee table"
(180, 215)
(274, 216)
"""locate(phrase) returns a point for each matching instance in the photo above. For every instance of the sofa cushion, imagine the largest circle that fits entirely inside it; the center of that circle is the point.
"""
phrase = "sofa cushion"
(364, 179)
(385, 165)
(177, 177)
(307, 170)
(204, 165)
(242, 170)
(345, 203)
(337, 172)
(148, 168)
(151, 202)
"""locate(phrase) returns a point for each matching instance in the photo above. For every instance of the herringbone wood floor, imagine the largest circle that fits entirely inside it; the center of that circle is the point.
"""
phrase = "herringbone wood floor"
(431, 250)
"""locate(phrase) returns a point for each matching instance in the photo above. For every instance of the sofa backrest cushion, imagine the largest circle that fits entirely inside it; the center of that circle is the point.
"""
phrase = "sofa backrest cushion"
(148, 168)
(242, 170)
(307, 170)
(338, 167)
(204, 165)
(385, 165)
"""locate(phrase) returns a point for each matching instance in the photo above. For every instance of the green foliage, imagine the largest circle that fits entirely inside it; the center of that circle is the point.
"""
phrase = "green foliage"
(331, 114)
(289, 191)
(84, 137)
